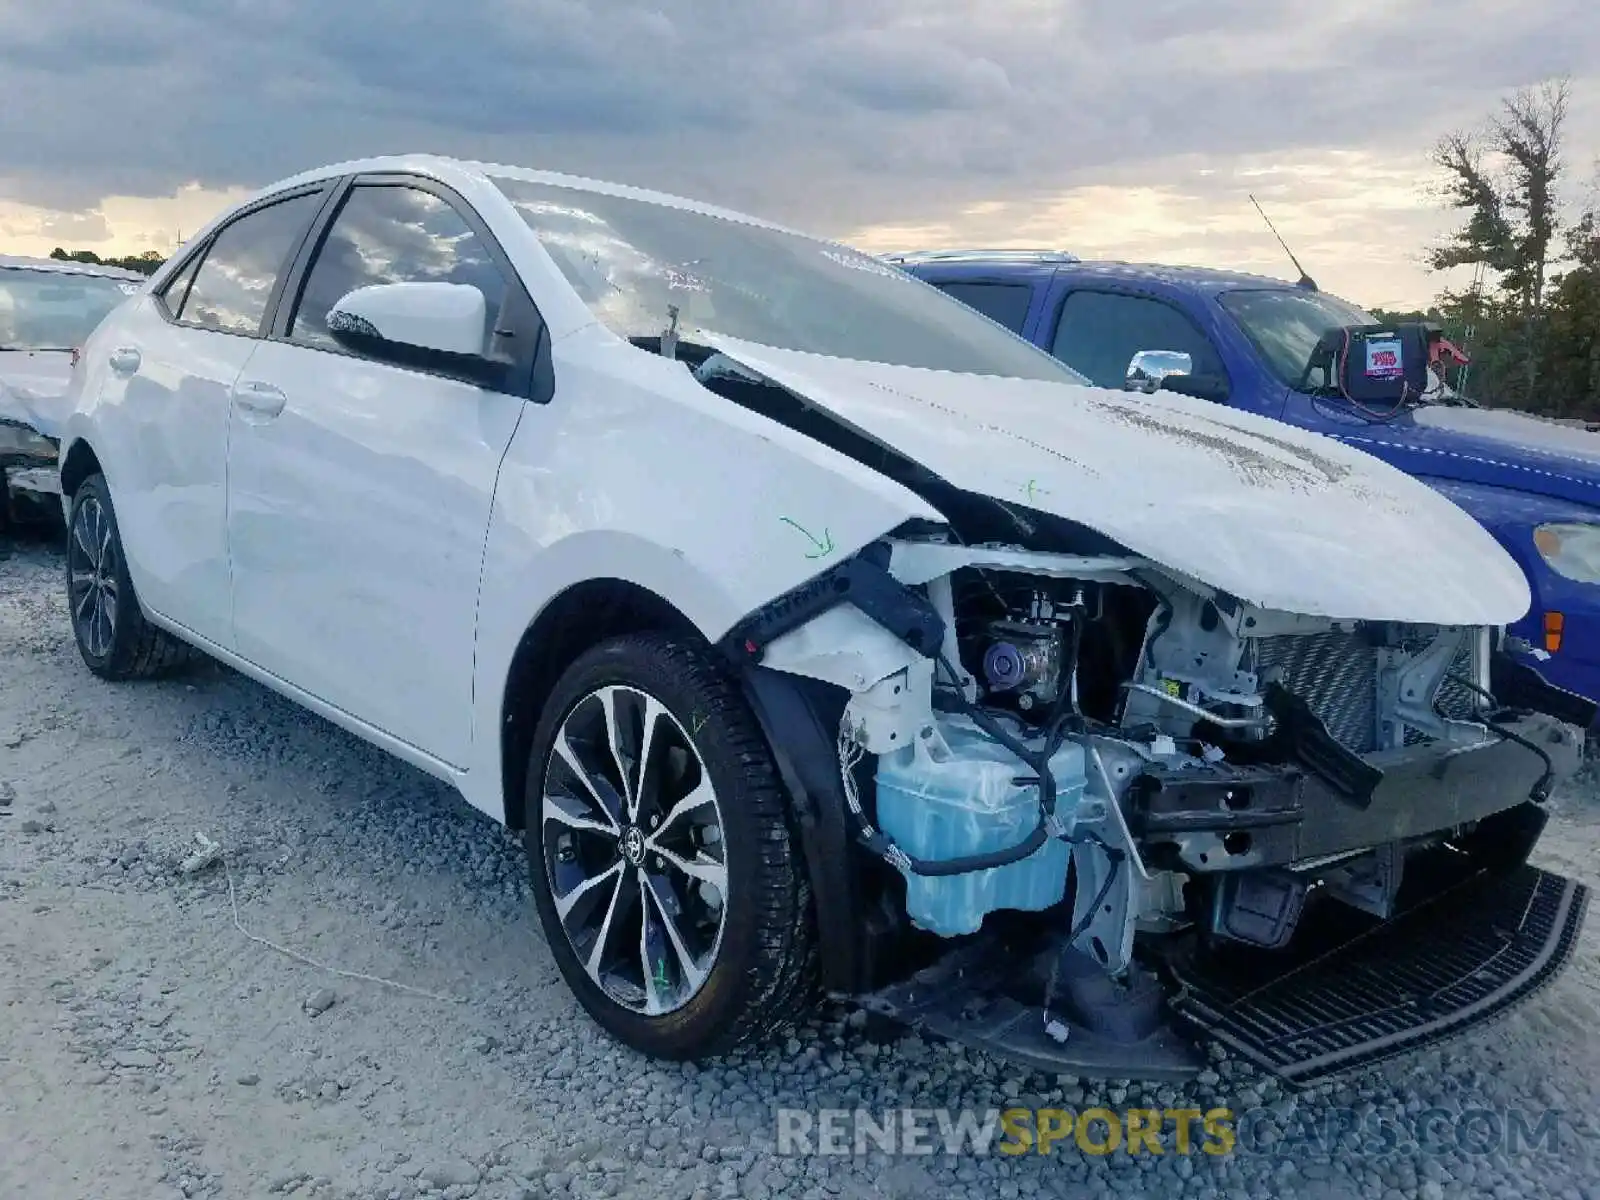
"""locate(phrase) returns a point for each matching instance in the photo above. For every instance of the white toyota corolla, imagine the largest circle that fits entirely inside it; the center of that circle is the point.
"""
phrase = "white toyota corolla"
(824, 636)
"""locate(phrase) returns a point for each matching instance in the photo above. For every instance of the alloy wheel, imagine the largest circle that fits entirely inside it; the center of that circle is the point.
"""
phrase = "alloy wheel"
(633, 850)
(92, 577)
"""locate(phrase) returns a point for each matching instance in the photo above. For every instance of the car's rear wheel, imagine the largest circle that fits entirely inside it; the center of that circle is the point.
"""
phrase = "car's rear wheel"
(662, 862)
(113, 637)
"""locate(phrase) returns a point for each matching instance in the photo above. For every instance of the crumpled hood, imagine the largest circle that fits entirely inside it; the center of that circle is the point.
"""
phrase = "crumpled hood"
(1495, 447)
(1274, 515)
(33, 388)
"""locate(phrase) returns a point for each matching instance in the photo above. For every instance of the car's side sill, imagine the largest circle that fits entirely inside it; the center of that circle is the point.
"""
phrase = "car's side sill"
(402, 750)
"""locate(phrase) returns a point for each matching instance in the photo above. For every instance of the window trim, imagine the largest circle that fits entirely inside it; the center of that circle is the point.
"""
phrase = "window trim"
(1136, 293)
(200, 253)
(530, 375)
(193, 259)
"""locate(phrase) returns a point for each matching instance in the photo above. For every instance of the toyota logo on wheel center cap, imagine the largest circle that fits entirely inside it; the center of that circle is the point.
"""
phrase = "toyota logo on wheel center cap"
(633, 845)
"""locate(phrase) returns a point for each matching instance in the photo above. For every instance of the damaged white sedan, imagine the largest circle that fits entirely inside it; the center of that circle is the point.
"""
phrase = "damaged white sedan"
(822, 636)
(48, 308)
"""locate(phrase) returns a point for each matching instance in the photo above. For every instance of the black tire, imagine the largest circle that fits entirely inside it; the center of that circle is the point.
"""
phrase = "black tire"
(114, 639)
(763, 963)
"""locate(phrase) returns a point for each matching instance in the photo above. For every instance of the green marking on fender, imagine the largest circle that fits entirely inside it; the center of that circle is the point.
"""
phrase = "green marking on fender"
(821, 546)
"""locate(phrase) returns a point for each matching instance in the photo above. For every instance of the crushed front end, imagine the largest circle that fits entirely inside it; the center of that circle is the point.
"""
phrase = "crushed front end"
(1082, 812)
(29, 480)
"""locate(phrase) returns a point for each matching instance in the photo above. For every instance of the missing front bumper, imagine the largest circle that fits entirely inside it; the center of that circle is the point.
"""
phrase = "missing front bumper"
(1466, 956)
(1471, 942)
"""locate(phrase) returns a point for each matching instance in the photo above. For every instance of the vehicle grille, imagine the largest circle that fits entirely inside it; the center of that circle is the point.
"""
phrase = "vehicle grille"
(1424, 977)
(1454, 701)
(1336, 674)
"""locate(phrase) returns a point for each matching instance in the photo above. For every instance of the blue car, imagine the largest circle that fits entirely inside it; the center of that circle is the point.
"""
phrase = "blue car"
(1247, 341)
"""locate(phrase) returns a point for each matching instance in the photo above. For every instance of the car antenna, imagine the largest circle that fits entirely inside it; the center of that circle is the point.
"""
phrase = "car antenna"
(1306, 281)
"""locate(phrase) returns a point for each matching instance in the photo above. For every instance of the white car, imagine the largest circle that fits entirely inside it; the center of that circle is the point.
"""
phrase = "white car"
(821, 634)
(48, 308)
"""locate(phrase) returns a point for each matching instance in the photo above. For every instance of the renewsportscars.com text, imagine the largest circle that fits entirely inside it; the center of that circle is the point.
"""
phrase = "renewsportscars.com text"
(1181, 1131)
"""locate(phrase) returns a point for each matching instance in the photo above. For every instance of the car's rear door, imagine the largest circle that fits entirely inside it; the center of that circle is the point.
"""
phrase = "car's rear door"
(164, 384)
(1008, 302)
(358, 491)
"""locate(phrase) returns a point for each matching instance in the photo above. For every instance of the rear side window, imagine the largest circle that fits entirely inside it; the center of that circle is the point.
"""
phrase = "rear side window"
(234, 283)
(1100, 332)
(176, 289)
(1003, 303)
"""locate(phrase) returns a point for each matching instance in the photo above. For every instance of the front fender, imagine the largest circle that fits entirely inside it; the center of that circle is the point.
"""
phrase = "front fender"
(1511, 517)
(637, 473)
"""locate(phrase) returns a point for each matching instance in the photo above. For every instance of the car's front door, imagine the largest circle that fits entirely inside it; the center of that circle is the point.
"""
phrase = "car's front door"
(359, 492)
(1098, 330)
(163, 408)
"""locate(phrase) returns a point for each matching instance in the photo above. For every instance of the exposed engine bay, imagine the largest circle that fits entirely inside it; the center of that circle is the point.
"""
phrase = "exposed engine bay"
(1150, 770)
(1075, 803)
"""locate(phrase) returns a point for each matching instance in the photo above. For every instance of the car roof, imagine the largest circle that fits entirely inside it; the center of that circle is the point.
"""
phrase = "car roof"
(66, 267)
(1211, 279)
(443, 167)
(958, 264)
(1031, 262)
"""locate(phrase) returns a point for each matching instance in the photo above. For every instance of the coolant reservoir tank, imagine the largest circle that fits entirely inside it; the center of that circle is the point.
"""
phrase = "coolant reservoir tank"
(957, 794)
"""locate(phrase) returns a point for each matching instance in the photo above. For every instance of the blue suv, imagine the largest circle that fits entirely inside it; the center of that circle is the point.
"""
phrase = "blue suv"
(1252, 342)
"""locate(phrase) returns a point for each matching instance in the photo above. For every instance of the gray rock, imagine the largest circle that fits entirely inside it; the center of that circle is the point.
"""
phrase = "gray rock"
(248, 1079)
(454, 1172)
(139, 1060)
(320, 1001)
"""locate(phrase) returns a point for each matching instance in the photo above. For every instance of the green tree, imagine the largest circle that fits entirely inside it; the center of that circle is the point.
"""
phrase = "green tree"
(1504, 178)
(1571, 365)
(145, 263)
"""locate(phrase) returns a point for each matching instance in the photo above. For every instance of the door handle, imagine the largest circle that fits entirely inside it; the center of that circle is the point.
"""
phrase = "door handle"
(124, 360)
(262, 399)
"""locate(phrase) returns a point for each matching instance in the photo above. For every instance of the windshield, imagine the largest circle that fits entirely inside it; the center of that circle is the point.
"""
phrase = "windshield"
(54, 310)
(632, 260)
(1286, 324)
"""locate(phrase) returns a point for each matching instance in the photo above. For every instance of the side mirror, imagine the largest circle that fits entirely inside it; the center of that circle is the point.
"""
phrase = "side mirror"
(432, 326)
(1148, 368)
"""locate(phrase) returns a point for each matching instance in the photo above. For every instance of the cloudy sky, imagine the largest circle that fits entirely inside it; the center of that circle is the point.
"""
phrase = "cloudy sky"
(1125, 128)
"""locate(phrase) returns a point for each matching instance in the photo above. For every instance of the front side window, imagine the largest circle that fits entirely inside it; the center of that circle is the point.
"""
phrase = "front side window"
(391, 233)
(1100, 332)
(1003, 303)
(633, 261)
(54, 310)
(231, 289)
(1285, 325)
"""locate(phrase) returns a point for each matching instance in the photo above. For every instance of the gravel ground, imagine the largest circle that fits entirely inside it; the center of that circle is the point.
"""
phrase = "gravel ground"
(148, 1048)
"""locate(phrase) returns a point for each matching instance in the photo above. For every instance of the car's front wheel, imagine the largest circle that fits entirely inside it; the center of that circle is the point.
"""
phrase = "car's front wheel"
(113, 637)
(663, 866)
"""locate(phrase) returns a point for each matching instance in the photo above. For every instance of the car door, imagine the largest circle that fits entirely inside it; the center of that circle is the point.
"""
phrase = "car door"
(163, 407)
(1098, 331)
(359, 491)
